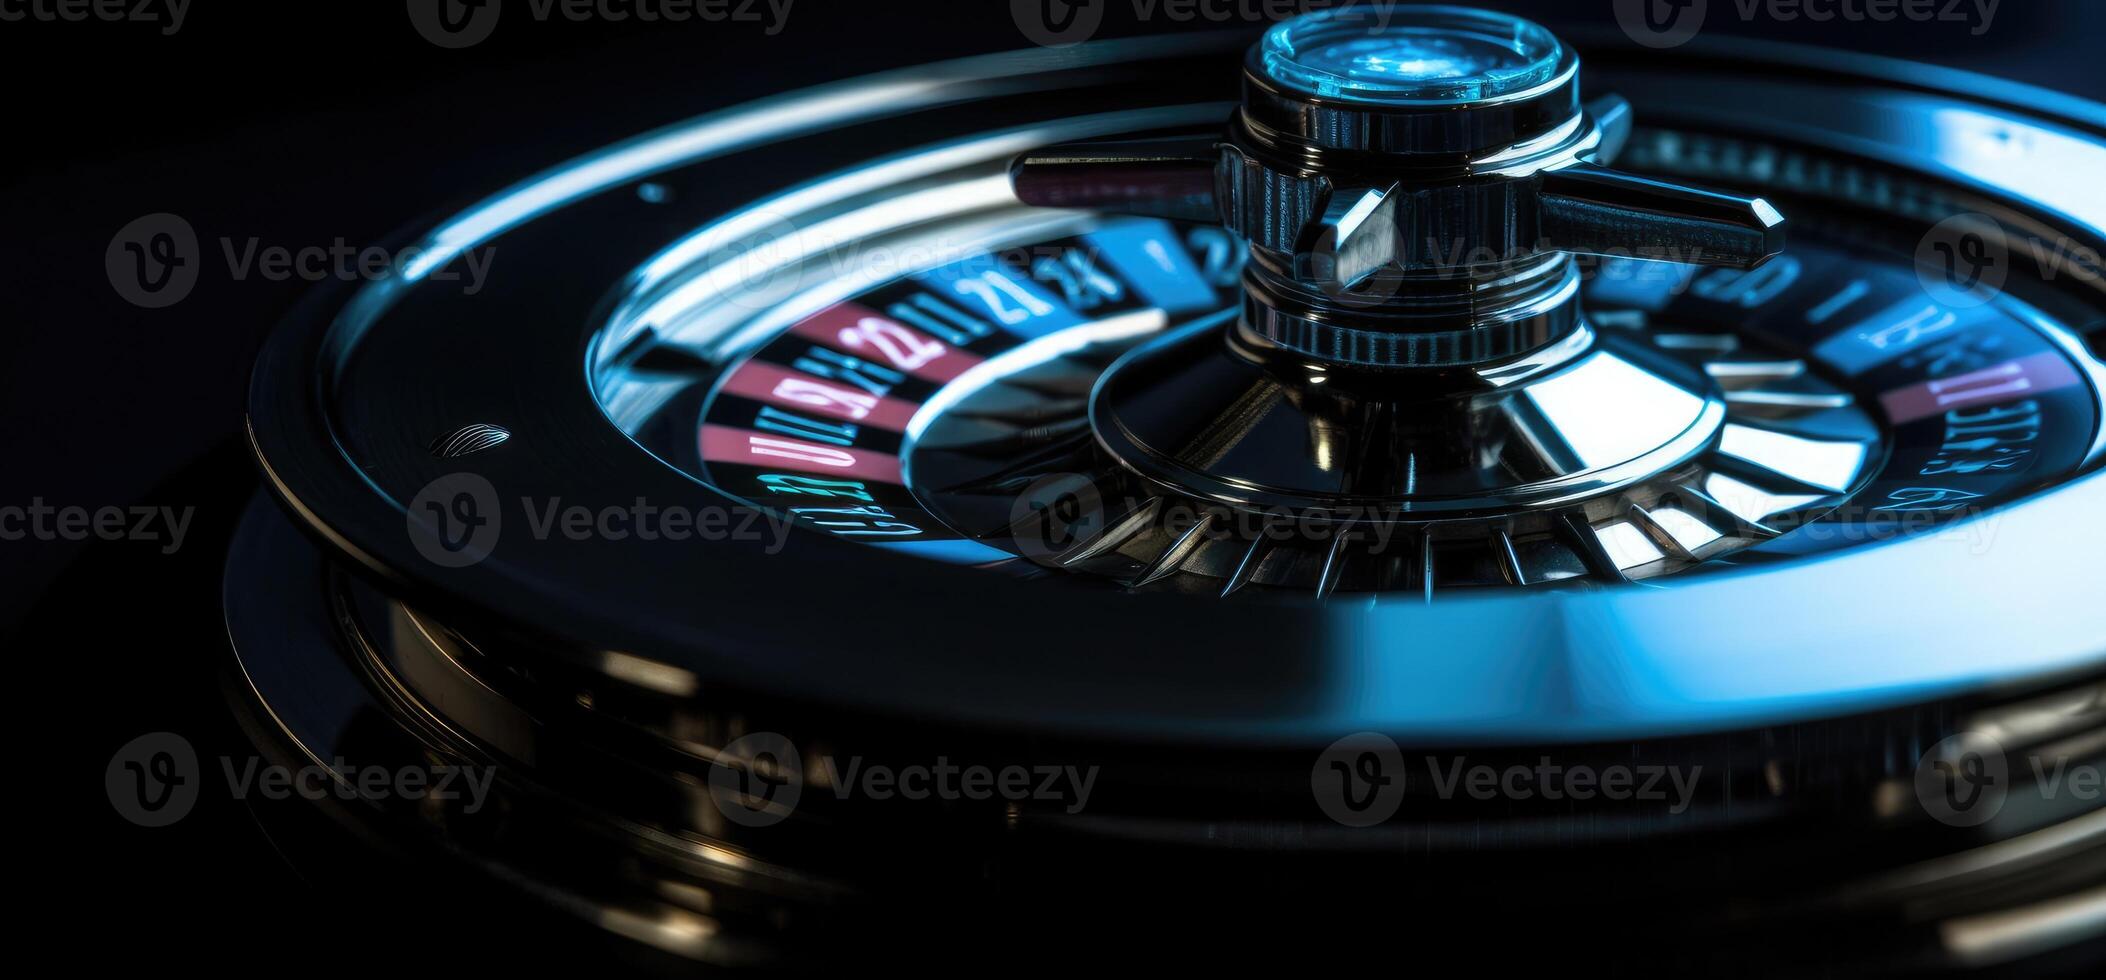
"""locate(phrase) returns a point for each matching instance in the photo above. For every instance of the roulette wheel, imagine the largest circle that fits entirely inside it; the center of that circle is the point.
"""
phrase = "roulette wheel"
(1392, 484)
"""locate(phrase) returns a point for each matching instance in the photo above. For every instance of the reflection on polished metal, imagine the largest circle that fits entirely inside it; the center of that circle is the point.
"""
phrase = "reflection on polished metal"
(1603, 416)
(1412, 184)
(1610, 457)
(1411, 345)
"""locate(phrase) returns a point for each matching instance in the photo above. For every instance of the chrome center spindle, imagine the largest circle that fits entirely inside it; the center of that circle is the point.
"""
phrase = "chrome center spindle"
(1412, 182)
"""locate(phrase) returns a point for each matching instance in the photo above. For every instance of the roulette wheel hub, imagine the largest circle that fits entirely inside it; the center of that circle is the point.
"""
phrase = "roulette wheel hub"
(1412, 343)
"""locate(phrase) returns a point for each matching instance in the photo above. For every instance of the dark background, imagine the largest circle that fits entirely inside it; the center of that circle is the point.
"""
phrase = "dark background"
(302, 122)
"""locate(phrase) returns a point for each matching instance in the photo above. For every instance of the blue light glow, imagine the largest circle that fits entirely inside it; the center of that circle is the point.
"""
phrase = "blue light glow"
(1418, 55)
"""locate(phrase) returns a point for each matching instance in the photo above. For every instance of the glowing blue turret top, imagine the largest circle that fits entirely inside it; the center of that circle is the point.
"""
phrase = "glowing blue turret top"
(1401, 55)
